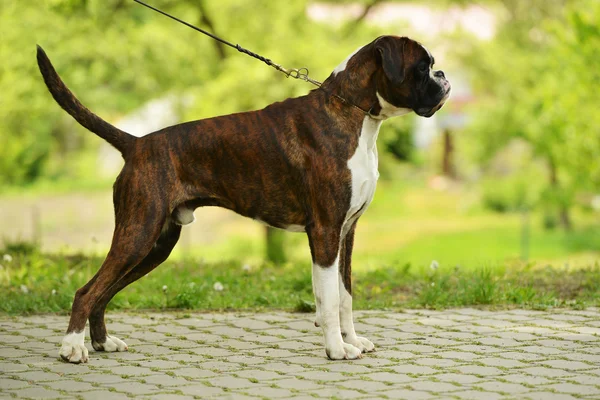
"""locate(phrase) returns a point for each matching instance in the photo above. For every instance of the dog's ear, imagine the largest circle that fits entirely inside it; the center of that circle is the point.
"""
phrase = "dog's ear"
(390, 52)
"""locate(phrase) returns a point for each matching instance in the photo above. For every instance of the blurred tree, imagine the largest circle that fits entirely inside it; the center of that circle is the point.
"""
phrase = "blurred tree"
(535, 83)
(116, 55)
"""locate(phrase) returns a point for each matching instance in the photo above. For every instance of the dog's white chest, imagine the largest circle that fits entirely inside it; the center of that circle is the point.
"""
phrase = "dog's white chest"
(363, 168)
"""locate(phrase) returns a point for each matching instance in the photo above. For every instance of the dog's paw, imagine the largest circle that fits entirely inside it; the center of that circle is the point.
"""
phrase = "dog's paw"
(364, 344)
(73, 349)
(344, 352)
(111, 344)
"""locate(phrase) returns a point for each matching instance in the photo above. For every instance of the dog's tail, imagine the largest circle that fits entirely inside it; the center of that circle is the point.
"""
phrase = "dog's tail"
(122, 141)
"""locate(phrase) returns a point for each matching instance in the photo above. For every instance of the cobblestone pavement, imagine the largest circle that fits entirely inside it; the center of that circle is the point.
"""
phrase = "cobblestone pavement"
(462, 354)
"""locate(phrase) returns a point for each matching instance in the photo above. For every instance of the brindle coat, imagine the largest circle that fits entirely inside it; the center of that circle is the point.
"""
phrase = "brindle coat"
(286, 164)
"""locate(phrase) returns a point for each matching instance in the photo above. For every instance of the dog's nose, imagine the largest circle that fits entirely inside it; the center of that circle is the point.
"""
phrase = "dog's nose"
(439, 74)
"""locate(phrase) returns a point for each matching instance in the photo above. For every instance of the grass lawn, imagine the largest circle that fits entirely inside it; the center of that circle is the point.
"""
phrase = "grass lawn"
(407, 231)
(33, 283)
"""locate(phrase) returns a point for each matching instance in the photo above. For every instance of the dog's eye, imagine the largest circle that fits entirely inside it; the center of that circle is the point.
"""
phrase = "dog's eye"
(423, 67)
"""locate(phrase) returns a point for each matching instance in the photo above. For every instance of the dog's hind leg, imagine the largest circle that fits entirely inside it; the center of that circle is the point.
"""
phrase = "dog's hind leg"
(137, 230)
(101, 341)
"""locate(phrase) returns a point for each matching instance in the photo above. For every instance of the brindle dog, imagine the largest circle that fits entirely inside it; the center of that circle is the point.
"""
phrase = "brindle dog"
(304, 164)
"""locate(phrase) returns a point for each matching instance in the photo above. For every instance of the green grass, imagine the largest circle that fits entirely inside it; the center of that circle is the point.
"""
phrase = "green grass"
(35, 283)
(406, 228)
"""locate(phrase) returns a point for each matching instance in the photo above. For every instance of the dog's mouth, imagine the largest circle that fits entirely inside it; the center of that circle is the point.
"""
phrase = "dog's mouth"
(428, 112)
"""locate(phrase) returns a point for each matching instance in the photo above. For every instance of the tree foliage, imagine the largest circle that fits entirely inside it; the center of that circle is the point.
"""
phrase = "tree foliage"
(536, 83)
(116, 55)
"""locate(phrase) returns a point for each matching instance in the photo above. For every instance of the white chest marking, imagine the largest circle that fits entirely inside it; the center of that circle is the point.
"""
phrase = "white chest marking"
(389, 110)
(342, 66)
(363, 169)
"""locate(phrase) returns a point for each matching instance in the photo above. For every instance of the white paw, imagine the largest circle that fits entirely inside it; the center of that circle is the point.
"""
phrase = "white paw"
(364, 344)
(344, 352)
(73, 349)
(111, 344)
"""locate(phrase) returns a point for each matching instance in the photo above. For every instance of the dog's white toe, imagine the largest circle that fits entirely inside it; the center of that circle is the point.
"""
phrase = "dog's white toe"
(73, 349)
(364, 344)
(344, 352)
(367, 345)
(111, 344)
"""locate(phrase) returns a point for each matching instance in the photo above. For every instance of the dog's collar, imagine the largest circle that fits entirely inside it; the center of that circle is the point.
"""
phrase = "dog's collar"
(368, 113)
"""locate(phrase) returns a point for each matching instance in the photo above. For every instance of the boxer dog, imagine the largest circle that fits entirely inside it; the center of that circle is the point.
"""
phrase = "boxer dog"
(306, 164)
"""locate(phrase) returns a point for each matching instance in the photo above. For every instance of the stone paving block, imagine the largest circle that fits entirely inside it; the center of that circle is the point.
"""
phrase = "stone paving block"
(549, 396)
(476, 395)
(244, 359)
(102, 378)
(70, 385)
(517, 377)
(170, 396)
(335, 393)
(459, 378)
(439, 387)
(440, 363)
(389, 377)
(504, 387)
(501, 362)
(414, 369)
(366, 385)
(566, 365)
(195, 373)
(463, 356)
(417, 348)
(323, 376)
(406, 394)
(6, 367)
(502, 343)
(233, 383)
(36, 393)
(133, 387)
(13, 339)
(591, 358)
(283, 368)
(240, 345)
(37, 376)
(547, 351)
(258, 374)
(584, 379)
(165, 381)
(348, 368)
(11, 352)
(420, 354)
(6, 384)
(131, 371)
(478, 370)
(521, 356)
(200, 390)
(269, 392)
(212, 351)
(102, 394)
(296, 384)
(575, 389)
(546, 372)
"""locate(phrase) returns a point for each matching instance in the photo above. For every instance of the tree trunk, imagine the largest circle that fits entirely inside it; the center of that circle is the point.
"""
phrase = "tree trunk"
(564, 216)
(448, 155)
(275, 245)
(207, 21)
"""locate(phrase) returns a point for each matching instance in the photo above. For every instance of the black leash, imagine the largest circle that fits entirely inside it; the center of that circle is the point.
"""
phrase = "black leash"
(300, 73)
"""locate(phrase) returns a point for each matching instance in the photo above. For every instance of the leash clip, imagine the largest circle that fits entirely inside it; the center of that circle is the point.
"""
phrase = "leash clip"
(302, 74)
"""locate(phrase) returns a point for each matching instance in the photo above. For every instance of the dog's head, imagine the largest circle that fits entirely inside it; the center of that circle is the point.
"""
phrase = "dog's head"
(405, 78)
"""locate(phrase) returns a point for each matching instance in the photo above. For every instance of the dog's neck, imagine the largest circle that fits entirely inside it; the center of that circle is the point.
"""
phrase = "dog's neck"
(354, 80)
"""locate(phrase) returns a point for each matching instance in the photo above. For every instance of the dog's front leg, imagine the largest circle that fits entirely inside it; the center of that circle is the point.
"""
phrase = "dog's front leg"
(325, 246)
(345, 283)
